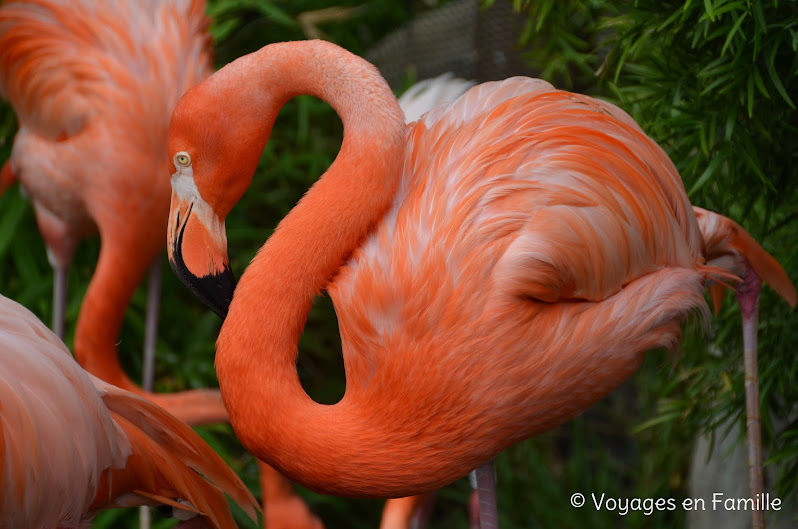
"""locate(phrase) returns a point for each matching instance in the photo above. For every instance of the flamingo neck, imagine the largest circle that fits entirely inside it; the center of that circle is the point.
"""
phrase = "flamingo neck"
(257, 348)
(103, 310)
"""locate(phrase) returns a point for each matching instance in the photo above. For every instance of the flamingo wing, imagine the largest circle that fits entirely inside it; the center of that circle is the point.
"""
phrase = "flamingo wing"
(56, 435)
(528, 191)
(72, 444)
(539, 244)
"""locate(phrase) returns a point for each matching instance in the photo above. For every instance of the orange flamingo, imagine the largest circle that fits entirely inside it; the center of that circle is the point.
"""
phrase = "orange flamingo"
(74, 445)
(497, 267)
(85, 79)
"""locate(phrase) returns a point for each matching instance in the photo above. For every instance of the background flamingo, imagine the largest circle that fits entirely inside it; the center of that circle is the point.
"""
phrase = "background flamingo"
(85, 79)
(523, 215)
(74, 445)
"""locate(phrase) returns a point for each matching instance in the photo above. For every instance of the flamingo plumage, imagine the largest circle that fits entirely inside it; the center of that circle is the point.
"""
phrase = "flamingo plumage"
(420, 98)
(497, 267)
(73, 445)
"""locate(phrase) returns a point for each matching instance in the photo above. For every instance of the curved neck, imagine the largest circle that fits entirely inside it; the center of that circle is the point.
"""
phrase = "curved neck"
(257, 347)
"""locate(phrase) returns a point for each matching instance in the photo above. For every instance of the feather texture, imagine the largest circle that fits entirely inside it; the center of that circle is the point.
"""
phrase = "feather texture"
(65, 64)
(93, 84)
(71, 444)
(427, 94)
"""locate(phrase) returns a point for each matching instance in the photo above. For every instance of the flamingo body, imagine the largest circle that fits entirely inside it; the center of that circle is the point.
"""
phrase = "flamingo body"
(72, 444)
(522, 227)
(497, 267)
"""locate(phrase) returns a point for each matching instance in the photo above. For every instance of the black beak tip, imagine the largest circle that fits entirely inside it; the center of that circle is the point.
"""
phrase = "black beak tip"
(220, 288)
(215, 291)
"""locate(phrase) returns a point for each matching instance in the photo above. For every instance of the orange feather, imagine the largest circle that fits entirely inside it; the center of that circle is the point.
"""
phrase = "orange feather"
(93, 85)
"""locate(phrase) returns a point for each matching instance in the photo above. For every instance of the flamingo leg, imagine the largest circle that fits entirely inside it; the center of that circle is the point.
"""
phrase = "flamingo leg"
(473, 510)
(151, 325)
(60, 278)
(145, 517)
(148, 368)
(282, 507)
(423, 511)
(748, 298)
(473, 502)
(486, 490)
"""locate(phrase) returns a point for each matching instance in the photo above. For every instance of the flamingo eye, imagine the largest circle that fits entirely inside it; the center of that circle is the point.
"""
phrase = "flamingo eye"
(182, 158)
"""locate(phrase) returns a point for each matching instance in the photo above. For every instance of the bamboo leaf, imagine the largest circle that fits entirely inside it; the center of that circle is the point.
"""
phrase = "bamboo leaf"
(710, 9)
(276, 14)
(711, 169)
(774, 77)
(735, 28)
(759, 84)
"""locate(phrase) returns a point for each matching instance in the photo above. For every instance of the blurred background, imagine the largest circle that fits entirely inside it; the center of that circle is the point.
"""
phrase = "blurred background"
(714, 82)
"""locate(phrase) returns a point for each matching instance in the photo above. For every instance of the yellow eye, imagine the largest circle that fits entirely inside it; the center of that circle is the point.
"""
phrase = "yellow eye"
(183, 159)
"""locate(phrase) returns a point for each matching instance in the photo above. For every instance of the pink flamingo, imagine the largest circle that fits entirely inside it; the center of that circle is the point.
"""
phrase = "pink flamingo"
(497, 267)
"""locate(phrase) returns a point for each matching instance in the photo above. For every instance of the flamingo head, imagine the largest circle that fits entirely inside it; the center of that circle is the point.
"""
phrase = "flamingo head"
(214, 152)
(197, 242)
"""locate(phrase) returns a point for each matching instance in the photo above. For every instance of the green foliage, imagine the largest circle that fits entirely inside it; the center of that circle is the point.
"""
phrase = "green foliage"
(714, 83)
(711, 82)
(561, 39)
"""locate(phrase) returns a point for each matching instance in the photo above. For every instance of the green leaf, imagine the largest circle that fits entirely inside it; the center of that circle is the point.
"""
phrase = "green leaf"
(759, 84)
(774, 77)
(710, 9)
(223, 29)
(545, 8)
(711, 169)
(275, 13)
(658, 420)
(14, 208)
(733, 32)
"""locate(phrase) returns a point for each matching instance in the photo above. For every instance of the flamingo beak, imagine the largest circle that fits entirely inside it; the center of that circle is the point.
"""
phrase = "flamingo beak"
(197, 249)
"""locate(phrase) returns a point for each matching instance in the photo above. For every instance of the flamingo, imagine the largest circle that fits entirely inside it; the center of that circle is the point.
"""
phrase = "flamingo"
(85, 78)
(497, 267)
(73, 445)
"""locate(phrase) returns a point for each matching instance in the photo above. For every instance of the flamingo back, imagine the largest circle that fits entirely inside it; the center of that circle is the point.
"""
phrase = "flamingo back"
(426, 94)
(542, 193)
